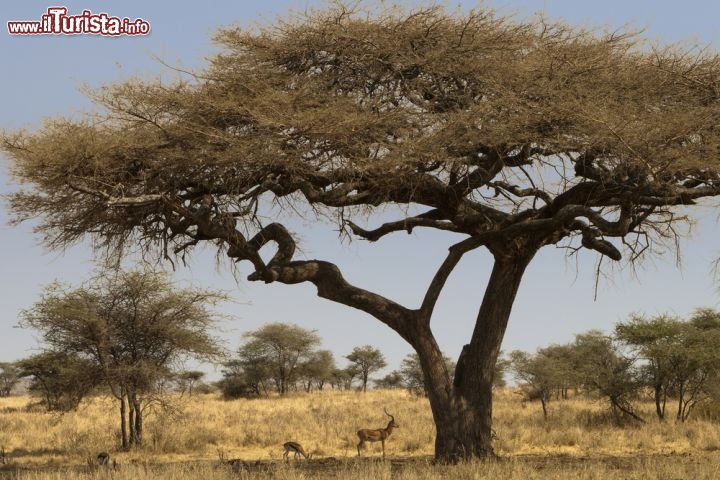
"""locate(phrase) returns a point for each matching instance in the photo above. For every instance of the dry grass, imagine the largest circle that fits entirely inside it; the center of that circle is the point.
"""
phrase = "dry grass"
(579, 440)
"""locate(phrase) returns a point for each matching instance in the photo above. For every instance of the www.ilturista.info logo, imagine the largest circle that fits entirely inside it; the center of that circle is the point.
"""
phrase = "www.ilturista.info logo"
(57, 22)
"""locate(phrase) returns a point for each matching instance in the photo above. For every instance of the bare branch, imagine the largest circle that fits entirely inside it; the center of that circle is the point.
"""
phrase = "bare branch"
(432, 294)
(522, 192)
(332, 285)
(406, 224)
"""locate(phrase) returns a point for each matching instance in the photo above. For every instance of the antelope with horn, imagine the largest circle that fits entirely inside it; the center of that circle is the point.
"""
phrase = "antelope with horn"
(377, 435)
(295, 448)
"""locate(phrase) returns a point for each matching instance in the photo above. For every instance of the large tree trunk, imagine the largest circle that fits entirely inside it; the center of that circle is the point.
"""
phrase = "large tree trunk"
(463, 410)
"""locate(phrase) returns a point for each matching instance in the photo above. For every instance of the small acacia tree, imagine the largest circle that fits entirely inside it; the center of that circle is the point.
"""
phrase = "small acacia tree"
(317, 369)
(366, 360)
(677, 358)
(9, 377)
(277, 351)
(699, 360)
(657, 342)
(133, 328)
(188, 380)
(63, 379)
(537, 374)
(601, 368)
(511, 136)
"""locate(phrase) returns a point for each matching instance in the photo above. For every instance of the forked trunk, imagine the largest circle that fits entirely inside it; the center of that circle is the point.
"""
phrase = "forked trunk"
(463, 417)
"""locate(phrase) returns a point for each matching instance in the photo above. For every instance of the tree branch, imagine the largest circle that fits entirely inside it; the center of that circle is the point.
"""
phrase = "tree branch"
(522, 192)
(455, 253)
(406, 224)
(111, 201)
(331, 285)
(591, 240)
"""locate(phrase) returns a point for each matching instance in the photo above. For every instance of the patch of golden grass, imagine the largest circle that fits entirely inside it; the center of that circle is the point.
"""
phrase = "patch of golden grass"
(540, 468)
(579, 440)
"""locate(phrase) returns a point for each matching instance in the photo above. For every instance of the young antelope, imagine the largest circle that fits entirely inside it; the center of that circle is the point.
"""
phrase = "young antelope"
(295, 448)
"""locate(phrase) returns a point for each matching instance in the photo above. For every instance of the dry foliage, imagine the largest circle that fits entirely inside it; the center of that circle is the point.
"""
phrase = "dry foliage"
(492, 125)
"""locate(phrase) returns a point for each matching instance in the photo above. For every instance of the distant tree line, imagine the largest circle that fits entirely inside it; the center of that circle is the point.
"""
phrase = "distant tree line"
(675, 361)
(281, 358)
(277, 358)
(127, 334)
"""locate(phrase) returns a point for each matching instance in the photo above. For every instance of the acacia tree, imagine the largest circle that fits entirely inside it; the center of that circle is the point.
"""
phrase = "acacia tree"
(698, 360)
(601, 368)
(342, 378)
(277, 350)
(561, 357)
(9, 377)
(512, 136)
(678, 358)
(412, 374)
(393, 379)
(366, 359)
(188, 380)
(243, 380)
(134, 328)
(657, 342)
(62, 378)
(537, 374)
(317, 369)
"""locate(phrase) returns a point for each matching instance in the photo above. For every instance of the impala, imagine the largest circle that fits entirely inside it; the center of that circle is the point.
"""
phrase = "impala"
(296, 448)
(377, 435)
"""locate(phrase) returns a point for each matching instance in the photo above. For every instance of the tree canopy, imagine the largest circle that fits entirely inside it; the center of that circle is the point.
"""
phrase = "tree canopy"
(63, 379)
(367, 359)
(678, 358)
(495, 127)
(512, 136)
(9, 377)
(134, 328)
(276, 351)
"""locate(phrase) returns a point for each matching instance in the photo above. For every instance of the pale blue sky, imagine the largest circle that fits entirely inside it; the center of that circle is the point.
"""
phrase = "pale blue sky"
(42, 75)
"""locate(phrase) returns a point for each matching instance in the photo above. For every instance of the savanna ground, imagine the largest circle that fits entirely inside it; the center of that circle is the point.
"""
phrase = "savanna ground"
(579, 440)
